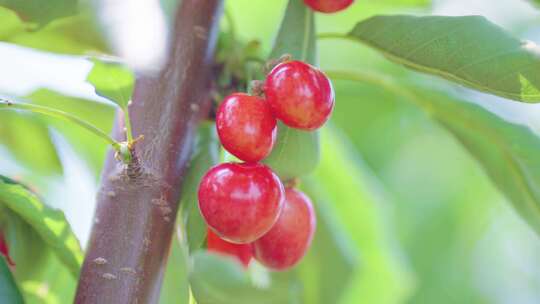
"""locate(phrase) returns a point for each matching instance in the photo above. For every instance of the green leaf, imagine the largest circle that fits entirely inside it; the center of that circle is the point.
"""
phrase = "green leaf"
(39, 273)
(296, 37)
(468, 50)
(87, 145)
(77, 34)
(113, 81)
(36, 151)
(204, 156)
(406, 2)
(46, 253)
(357, 201)
(232, 285)
(296, 34)
(71, 35)
(295, 154)
(10, 24)
(175, 289)
(49, 224)
(9, 292)
(41, 12)
(191, 228)
(332, 261)
(507, 151)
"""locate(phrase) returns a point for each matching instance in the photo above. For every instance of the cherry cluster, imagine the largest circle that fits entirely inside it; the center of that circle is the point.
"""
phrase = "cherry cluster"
(248, 210)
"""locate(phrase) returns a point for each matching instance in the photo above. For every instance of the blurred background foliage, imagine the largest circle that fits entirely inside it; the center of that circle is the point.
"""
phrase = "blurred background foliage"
(406, 214)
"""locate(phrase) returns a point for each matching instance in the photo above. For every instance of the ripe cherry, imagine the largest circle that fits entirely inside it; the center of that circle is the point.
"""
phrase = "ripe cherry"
(299, 94)
(246, 126)
(240, 202)
(240, 251)
(4, 250)
(290, 237)
(328, 6)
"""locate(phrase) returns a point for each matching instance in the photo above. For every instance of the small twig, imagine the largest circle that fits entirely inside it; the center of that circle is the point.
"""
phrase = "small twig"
(292, 183)
(270, 64)
(256, 88)
(9, 104)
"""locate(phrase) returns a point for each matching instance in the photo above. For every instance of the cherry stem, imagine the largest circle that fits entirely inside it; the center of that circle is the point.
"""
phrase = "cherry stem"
(270, 64)
(8, 104)
(333, 36)
(375, 79)
(292, 183)
(256, 88)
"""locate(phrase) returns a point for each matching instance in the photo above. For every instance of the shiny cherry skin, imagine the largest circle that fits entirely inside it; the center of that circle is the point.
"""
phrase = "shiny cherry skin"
(240, 201)
(4, 250)
(246, 126)
(299, 94)
(328, 6)
(290, 237)
(242, 252)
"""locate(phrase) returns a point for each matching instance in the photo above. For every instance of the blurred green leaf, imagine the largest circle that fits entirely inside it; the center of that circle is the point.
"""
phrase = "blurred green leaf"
(468, 50)
(190, 227)
(48, 223)
(88, 146)
(39, 273)
(406, 2)
(296, 34)
(36, 151)
(113, 81)
(296, 37)
(507, 151)
(440, 200)
(46, 253)
(358, 201)
(295, 154)
(78, 34)
(41, 12)
(175, 288)
(205, 155)
(71, 35)
(232, 285)
(332, 261)
(9, 292)
(10, 24)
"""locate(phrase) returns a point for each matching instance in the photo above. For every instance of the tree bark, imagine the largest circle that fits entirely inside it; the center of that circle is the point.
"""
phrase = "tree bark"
(136, 206)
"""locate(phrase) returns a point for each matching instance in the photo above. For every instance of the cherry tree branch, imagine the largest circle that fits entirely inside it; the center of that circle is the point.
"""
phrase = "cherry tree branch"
(136, 206)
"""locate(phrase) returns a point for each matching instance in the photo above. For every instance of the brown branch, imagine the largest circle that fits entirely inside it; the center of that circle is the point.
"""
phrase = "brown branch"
(136, 207)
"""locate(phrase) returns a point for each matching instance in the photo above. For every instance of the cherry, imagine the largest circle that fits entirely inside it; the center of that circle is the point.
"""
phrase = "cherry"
(240, 251)
(290, 237)
(246, 126)
(299, 94)
(4, 250)
(240, 201)
(328, 6)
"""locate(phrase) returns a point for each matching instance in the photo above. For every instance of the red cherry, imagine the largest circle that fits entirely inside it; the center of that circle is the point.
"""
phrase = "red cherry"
(290, 237)
(240, 202)
(328, 6)
(4, 250)
(299, 94)
(246, 126)
(240, 251)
